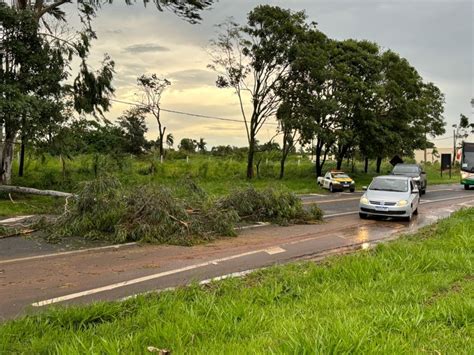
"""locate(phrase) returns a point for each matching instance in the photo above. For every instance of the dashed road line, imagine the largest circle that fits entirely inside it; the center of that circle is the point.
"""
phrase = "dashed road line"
(140, 279)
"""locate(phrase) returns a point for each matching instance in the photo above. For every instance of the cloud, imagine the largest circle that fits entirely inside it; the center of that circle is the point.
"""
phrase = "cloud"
(192, 78)
(145, 48)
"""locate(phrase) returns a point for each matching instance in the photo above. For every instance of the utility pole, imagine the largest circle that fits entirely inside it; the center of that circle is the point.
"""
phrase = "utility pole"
(454, 144)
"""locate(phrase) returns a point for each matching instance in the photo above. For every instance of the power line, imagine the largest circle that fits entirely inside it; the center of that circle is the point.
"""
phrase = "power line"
(190, 114)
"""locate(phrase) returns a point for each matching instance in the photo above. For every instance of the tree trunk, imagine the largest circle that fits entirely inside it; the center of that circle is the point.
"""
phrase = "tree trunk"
(366, 165)
(29, 190)
(22, 158)
(379, 163)
(7, 159)
(250, 158)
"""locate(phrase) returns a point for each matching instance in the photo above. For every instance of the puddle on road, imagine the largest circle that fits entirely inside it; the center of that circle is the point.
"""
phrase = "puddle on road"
(377, 229)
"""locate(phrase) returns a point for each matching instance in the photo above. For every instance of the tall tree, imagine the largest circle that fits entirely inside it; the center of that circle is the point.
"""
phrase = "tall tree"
(134, 128)
(152, 88)
(252, 60)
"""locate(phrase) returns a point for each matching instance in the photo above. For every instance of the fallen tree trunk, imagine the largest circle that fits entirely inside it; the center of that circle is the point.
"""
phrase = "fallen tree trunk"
(29, 190)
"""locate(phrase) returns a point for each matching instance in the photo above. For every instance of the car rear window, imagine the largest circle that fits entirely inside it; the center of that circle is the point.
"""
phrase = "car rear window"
(406, 169)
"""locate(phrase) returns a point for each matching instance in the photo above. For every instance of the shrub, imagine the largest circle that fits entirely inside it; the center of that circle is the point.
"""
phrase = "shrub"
(104, 210)
(183, 216)
(271, 205)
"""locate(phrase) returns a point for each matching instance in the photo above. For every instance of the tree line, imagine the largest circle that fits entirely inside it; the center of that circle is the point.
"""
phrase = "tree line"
(342, 97)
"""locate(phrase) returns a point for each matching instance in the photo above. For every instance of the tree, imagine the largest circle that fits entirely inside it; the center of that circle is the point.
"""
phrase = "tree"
(461, 131)
(187, 145)
(90, 90)
(312, 95)
(169, 140)
(152, 88)
(252, 60)
(201, 145)
(134, 128)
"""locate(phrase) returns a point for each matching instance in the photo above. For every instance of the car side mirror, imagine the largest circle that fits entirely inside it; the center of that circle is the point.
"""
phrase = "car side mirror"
(364, 188)
(423, 173)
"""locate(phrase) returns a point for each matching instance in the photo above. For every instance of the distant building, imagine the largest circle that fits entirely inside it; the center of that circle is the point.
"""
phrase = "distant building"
(430, 157)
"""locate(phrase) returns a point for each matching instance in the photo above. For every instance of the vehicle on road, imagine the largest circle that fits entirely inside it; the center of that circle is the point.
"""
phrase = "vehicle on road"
(390, 196)
(467, 165)
(415, 172)
(336, 181)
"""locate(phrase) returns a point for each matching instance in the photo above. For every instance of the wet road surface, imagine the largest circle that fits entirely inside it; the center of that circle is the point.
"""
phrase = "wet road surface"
(31, 283)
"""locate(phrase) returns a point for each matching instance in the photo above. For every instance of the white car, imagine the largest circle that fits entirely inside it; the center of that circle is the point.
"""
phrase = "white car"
(390, 196)
(336, 180)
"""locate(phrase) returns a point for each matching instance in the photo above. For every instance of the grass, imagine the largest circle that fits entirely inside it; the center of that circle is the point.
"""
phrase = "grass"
(414, 295)
(216, 175)
(26, 205)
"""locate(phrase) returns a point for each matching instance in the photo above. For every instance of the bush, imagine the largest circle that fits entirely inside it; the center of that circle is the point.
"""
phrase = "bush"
(270, 205)
(104, 210)
(156, 214)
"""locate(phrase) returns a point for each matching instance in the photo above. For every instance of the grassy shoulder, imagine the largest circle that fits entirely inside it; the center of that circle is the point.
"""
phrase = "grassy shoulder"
(414, 295)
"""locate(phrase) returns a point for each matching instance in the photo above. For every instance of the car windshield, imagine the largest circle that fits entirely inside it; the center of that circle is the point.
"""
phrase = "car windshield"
(405, 169)
(340, 176)
(396, 185)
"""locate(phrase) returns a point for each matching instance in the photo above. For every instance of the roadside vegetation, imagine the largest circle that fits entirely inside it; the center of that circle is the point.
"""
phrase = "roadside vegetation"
(185, 215)
(414, 295)
(216, 175)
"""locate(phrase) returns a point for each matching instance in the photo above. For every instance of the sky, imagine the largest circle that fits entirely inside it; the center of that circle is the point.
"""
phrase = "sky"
(436, 36)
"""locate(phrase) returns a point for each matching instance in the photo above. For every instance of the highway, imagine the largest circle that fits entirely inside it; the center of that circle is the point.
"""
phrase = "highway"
(34, 276)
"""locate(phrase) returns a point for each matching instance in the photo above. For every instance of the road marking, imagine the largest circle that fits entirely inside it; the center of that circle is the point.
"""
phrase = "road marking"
(140, 279)
(421, 203)
(274, 250)
(117, 246)
(445, 199)
(340, 214)
(329, 201)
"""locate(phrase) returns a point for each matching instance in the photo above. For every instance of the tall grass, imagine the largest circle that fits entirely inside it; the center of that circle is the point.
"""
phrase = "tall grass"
(217, 175)
(411, 296)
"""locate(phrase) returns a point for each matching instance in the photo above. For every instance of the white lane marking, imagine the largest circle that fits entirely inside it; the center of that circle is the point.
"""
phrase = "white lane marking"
(340, 214)
(329, 201)
(203, 282)
(256, 225)
(117, 246)
(421, 203)
(274, 250)
(445, 199)
(309, 195)
(14, 219)
(139, 280)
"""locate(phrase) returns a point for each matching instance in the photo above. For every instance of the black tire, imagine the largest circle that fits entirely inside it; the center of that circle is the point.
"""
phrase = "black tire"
(363, 215)
(331, 188)
(423, 191)
(352, 190)
(466, 187)
(407, 219)
(415, 212)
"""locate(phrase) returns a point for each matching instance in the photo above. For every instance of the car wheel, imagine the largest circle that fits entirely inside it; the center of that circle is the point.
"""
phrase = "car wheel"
(423, 190)
(363, 215)
(352, 190)
(408, 218)
(466, 187)
(331, 188)
(415, 212)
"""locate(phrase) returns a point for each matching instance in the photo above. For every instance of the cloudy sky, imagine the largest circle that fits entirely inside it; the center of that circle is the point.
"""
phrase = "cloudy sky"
(436, 36)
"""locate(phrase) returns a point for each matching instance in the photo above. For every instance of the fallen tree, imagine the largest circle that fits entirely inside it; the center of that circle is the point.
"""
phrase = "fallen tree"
(30, 190)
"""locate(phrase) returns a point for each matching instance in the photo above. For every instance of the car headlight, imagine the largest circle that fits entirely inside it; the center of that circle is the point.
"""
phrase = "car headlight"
(464, 175)
(364, 200)
(417, 178)
(402, 203)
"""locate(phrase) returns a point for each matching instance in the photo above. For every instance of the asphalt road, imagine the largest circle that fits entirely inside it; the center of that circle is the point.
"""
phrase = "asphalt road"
(31, 281)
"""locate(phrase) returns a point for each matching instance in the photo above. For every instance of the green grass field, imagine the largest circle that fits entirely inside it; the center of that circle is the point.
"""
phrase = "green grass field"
(411, 296)
(216, 175)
